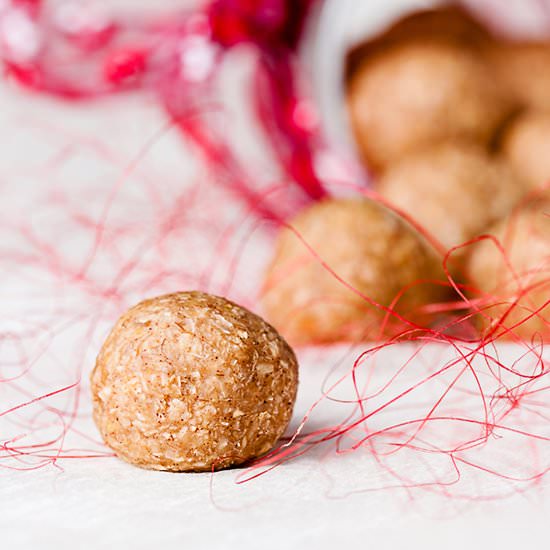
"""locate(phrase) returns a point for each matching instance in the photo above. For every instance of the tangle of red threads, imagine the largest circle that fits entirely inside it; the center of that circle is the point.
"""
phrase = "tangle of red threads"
(512, 389)
(509, 409)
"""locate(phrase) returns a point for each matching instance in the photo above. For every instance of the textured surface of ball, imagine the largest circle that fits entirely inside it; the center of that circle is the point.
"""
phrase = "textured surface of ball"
(526, 147)
(191, 382)
(358, 250)
(523, 71)
(454, 191)
(517, 279)
(413, 95)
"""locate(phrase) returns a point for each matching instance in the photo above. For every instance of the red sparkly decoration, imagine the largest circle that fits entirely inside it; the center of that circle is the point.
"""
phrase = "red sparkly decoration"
(267, 23)
(125, 65)
(162, 56)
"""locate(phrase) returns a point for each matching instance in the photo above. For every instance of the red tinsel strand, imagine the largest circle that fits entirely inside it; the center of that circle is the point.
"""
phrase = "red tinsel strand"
(274, 26)
(270, 24)
(293, 138)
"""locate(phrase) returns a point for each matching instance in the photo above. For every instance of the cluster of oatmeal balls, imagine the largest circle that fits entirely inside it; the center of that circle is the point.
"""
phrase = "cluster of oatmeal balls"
(454, 125)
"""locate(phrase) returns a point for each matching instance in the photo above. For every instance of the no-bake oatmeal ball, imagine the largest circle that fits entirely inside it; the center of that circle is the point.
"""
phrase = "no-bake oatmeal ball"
(414, 95)
(193, 382)
(357, 250)
(515, 275)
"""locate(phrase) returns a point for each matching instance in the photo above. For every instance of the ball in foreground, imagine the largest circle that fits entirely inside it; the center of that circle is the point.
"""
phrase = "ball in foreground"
(357, 250)
(516, 280)
(192, 382)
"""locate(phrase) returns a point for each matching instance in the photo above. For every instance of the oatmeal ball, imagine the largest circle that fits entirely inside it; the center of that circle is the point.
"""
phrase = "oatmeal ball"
(525, 238)
(370, 249)
(526, 146)
(449, 24)
(412, 95)
(523, 71)
(191, 382)
(453, 190)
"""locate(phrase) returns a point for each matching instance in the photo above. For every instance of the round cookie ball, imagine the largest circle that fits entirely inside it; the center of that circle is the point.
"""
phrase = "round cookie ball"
(413, 95)
(526, 146)
(522, 69)
(192, 382)
(370, 249)
(452, 190)
(525, 238)
(449, 24)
